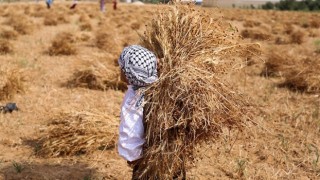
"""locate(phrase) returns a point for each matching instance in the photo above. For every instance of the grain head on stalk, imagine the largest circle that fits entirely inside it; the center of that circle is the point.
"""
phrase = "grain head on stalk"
(190, 104)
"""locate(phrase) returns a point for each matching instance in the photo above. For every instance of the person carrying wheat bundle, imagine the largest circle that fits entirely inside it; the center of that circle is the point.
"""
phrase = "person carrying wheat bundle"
(183, 102)
(139, 69)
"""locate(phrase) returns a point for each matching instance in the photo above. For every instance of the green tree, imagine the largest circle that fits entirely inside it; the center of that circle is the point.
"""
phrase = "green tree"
(305, 5)
(287, 5)
(268, 5)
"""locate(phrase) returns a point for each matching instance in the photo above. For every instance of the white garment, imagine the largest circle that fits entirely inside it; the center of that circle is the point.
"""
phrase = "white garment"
(131, 130)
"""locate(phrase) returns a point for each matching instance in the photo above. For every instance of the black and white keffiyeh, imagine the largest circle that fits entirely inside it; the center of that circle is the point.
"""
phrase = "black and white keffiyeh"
(139, 65)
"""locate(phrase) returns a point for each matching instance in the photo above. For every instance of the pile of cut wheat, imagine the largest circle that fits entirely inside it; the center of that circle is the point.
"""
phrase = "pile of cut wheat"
(98, 76)
(63, 44)
(77, 133)
(12, 81)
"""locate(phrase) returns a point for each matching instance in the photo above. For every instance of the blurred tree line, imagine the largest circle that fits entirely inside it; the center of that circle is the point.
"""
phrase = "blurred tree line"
(293, 5)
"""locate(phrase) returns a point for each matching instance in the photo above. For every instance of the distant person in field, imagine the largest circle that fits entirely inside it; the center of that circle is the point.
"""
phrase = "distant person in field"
(114, 4)
(49, 3)
(102, 5)
(74, 4)
(139, 69)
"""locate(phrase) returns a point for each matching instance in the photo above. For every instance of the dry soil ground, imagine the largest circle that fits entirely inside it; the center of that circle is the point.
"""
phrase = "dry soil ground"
(284, 145)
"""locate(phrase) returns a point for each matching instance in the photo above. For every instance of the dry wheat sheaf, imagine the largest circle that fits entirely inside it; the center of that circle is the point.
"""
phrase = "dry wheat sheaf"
(97, 76)
(299, 74)
(12, 81)
(63, 44)
(190, 104)
(77, 133)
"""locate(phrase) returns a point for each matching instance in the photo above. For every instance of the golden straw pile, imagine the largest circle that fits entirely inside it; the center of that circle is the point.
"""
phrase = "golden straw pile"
(5, 47)
(78, 133)
(299, 73)
(277, 63)
(63, 44)
(12, 81)
(99, 77)
(20, 23)
(190, 104)
(303, 76)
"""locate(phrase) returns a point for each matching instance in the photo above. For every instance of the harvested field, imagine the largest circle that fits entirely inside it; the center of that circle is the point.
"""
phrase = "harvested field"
(64, 78)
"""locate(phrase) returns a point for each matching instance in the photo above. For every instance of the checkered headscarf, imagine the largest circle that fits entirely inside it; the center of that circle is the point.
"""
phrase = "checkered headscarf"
(139, 65)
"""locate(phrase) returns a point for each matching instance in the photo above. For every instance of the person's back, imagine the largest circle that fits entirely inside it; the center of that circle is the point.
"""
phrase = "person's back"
(139, 68)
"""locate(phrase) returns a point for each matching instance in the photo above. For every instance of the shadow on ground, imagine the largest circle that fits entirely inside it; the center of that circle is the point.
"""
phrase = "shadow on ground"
(16, 171)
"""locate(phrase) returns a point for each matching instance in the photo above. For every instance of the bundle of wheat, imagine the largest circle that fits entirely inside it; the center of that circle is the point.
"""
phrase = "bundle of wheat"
(50, 20)
(108, 41)
(63, 44)
(28, 10)
(251, 23)
(8, 33)
(5, 47)
(54, 18)
(303, 75)
(38, 11)
(83, 18)
(297, 37)
(62, 18)
(276, 64)
(98, 76)
(313, 33)
(12, 81)
(85, 26)
(3, 10)
(315, 23)
(190, 104)
(288, 28)
(20, 23)
(255, 34)
(282, 40)
(84, 36)
(135, 25)
(77, 133)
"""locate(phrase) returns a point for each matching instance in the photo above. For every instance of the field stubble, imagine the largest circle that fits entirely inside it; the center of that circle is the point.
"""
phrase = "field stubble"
(283, 144)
